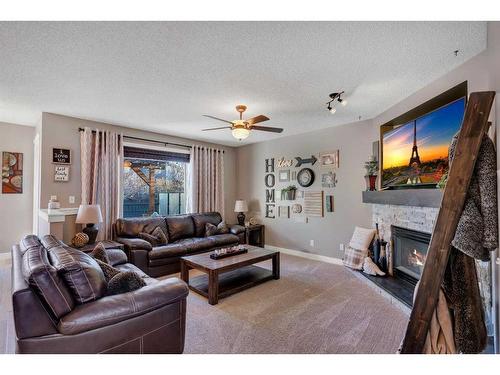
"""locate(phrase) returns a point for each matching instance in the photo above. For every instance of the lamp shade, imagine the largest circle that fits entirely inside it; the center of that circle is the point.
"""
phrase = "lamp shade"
(240, 206)
(89, 214)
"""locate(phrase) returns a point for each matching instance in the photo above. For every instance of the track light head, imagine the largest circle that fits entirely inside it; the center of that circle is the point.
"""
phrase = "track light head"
(335, 96)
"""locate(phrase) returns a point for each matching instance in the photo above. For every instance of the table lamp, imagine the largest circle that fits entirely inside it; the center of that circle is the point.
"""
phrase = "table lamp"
(89, 214)
(241, 206)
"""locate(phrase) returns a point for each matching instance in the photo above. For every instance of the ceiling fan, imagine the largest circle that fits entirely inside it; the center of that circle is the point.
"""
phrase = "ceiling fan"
(241, 128)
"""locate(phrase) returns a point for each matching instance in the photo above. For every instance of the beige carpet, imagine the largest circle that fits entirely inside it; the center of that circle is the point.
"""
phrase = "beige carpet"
(315, 307)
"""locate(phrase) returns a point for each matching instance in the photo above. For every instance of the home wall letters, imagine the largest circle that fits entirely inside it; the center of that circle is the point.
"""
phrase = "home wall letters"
(270, 181)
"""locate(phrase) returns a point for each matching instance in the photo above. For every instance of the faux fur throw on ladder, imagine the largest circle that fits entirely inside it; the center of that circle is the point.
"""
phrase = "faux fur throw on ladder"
(477, 230)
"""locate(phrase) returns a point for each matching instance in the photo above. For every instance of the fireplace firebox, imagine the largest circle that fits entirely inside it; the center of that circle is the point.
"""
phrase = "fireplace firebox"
(409, 253)
(409, 250)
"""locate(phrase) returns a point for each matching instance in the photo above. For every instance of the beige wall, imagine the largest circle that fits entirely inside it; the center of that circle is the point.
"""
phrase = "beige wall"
(62, 131)
(16, 210)
(355, 144)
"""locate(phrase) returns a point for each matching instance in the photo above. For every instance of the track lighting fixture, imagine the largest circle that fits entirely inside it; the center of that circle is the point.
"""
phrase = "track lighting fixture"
(336, 96)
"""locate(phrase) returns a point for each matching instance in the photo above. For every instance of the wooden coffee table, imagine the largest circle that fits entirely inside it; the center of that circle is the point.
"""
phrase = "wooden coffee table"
(230, 275)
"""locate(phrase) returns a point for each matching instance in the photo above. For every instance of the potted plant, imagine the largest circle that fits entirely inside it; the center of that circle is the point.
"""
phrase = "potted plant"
(371, 167)
(288, 193)
(442, 182)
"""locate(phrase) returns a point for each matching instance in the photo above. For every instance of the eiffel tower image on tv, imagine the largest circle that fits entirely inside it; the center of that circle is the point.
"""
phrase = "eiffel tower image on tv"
(414, 152)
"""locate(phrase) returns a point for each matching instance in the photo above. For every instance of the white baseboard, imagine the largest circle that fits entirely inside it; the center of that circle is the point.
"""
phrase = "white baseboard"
(302, 254)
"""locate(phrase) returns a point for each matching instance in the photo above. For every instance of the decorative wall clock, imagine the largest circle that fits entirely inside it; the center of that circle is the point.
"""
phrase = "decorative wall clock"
(305, 177)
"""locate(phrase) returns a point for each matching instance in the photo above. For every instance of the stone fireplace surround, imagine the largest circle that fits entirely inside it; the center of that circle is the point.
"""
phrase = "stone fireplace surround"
(423, 219)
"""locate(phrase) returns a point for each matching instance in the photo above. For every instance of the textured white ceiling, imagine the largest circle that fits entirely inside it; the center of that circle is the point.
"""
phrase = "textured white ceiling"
(162, 76)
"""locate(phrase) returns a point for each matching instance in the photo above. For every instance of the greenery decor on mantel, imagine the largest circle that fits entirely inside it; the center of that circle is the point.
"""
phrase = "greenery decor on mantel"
(371, 167)
(288, 193)
(442, 182)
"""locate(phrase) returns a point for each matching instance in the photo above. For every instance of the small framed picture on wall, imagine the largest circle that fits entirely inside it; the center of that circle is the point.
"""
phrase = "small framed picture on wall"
(61, 173)
(329, 159)
(284, 176)
(61, 156)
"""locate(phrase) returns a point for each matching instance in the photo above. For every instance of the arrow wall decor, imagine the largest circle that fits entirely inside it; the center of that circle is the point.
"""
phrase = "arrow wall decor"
(301, 161)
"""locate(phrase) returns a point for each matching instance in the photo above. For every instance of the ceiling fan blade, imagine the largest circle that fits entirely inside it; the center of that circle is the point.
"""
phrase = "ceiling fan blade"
(216, 118)
(256, 119)
(223, 127)
(267, 129)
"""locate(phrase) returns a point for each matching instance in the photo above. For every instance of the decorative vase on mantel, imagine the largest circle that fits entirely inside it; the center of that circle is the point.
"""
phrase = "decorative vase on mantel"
(371, 167)
(371, 182)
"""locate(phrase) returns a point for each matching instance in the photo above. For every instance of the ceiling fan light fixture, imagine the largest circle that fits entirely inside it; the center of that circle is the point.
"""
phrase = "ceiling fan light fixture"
(240, 133)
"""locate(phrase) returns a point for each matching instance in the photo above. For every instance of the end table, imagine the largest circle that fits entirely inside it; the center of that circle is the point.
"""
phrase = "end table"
(255, 235)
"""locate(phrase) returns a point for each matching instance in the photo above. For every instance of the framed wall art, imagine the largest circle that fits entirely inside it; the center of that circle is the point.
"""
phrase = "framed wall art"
(329, 159)
(313, 203)
(329, 203)
(12, 173)
(284, 176)
(329, 180)
(61, 173)
(61, 156)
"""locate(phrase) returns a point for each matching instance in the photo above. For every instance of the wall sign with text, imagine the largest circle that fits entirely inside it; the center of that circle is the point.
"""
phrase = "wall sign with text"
(61, 156)
(61, 173)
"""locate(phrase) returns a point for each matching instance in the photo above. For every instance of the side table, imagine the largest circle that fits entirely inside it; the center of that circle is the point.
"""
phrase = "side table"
(255, 235)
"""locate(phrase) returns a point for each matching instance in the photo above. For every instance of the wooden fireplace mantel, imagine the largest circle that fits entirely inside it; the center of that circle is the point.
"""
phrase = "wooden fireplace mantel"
(407, 197)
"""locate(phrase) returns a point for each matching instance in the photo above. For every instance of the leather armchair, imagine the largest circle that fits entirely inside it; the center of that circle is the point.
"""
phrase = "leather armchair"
(149, 320)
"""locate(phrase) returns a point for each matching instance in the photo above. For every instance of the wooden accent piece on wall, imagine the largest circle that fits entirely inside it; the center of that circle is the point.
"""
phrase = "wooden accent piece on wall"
(474, 125)
(313, 203)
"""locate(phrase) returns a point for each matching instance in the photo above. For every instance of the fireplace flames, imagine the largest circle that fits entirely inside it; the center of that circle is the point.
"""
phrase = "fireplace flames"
(416, 258)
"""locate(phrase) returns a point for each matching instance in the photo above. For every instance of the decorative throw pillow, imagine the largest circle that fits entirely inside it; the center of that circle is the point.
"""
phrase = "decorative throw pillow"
(354, 258)
(222, 228)
(99, 253)
(150, 238)
(160, 235)
(361, 238)
(108, 270)
(125, 282)
(211, 230)
(156, 238)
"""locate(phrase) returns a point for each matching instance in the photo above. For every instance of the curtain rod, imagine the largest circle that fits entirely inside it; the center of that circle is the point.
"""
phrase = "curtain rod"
(150, 140)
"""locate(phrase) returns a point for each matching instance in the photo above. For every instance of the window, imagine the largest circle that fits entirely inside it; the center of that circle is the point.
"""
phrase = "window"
(153, 181)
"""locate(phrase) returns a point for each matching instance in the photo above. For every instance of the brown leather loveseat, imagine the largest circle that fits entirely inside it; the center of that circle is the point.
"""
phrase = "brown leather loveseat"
(50, 318)
(186, 235)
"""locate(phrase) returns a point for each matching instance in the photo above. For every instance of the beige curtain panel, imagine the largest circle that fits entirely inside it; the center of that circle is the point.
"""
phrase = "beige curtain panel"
(205, 185)
(101, 169)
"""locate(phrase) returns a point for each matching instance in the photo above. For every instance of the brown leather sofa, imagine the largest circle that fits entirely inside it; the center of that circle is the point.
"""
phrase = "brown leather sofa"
(49, 319)
(186, 236)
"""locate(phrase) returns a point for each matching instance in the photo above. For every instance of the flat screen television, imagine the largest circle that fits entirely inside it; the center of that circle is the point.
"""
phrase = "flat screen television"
(415, 146)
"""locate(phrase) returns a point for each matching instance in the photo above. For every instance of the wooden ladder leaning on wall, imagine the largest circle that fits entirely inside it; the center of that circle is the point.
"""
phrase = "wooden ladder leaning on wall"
(474, 125)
